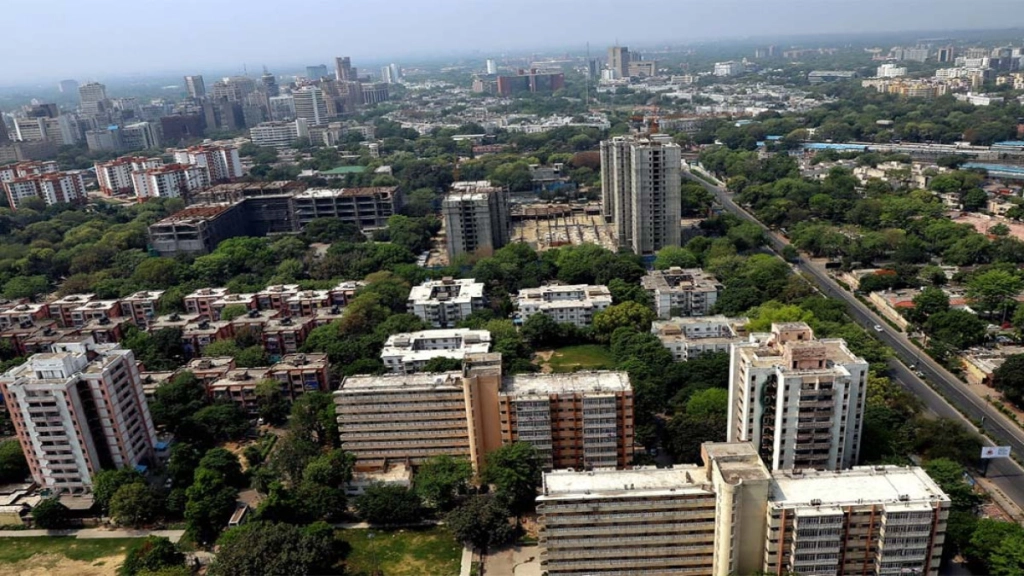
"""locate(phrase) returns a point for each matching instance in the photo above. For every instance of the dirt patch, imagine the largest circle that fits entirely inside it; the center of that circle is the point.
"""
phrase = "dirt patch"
(542, 358)
(57, 565)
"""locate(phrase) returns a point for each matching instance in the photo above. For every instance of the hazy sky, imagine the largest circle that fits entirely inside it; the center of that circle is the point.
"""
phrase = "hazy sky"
(90, 39)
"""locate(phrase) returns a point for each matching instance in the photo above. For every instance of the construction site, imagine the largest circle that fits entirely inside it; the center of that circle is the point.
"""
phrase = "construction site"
(546, 226)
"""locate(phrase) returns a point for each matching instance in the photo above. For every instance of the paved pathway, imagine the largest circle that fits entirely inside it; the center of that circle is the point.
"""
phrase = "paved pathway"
(94, 533)
(467, 561)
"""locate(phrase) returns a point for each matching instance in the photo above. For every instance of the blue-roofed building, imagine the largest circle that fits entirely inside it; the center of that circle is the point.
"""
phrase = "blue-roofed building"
(835, 146)
(1002, 171)
(1009, 144)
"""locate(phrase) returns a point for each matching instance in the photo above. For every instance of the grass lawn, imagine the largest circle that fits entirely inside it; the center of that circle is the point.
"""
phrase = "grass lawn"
(14, 550)
(583, 357)
(425, 552)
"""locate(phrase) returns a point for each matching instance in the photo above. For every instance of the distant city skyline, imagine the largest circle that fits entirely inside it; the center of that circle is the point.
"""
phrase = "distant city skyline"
(218, 34)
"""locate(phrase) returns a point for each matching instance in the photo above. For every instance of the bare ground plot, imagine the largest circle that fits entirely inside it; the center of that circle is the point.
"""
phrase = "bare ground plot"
(62, 556)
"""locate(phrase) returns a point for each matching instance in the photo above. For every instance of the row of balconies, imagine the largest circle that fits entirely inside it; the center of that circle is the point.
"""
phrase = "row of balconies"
(410, 444)
(596, 513)
(638, 552)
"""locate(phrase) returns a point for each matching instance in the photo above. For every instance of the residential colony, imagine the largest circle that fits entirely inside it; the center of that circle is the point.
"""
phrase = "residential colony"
(784, 477)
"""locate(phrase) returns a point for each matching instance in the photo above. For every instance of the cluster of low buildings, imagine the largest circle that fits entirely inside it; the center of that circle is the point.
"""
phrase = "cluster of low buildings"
(42, 180)
(280, 317)
(194, 169)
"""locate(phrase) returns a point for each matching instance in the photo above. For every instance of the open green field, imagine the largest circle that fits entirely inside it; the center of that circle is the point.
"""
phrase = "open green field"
(582, 357)
(407, 552)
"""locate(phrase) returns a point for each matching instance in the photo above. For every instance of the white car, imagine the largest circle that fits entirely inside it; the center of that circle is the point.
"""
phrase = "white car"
(878, 328)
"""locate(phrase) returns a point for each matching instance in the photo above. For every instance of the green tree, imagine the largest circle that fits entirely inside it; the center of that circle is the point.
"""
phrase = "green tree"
(1008, 378)
(211, 501)
(674, 256)
(313, 416)
(106, 483)
(1008, 558)
(270, 401)
(13, 466)
(515, 469)
(279, 549)
(481, 522)
(542, 331)
(441, 479)
(945, 438)
(225, 463)
(25, 287)
(957, 328)
(949, 475)
(703, 420)
(176, 401)
(626, 315)
(50, 514)
(134, 505)
(232, 311)
(389, 505)
(333, 469)
(151, 554)
(986, 541)
(930, 301)
(994, 289)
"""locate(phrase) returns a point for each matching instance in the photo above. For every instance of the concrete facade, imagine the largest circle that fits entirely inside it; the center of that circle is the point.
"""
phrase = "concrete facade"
(681, 292)
(446, 302)
(640, 188)
(564, 304)
(78, 410)
(688, 338)
(476, 219)
(799, 400)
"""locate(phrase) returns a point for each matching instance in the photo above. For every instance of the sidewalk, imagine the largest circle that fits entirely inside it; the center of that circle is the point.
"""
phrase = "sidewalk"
(93, 533)
(467, 561)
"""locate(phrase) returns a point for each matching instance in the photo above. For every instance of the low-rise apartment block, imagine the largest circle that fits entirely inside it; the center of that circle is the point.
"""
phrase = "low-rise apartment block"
(60, 309)
(286, 335)
(276, 297)
(681, 292)
(301, 373)
(78, 410)
(411, 351)
(691, 337)
(94, 310)
(196, 336)
(210, 369)
(200, 301)
(446, 302)
(52, 188)
(564, 304)
(141, 307)
(239, 387)
(345, 291)
(23, 313)
(798, 399)
(308, 302)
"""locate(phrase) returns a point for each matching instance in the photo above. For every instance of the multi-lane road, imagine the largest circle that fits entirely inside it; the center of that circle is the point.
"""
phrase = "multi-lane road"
(1006, 474)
